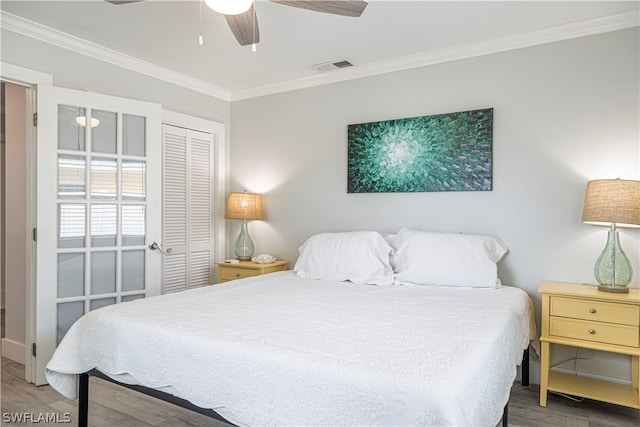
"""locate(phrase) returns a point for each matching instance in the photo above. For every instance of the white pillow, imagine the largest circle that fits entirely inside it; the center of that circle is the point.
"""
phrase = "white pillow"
(447, 259)
(358, 256)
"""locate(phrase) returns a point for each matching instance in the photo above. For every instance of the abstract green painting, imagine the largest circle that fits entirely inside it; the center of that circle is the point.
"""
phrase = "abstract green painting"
(444, 152)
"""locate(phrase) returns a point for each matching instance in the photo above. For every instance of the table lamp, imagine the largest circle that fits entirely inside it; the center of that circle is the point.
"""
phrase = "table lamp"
(244, 206)
(614, 203)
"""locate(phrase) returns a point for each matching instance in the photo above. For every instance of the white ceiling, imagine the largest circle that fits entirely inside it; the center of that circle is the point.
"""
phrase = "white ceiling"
(390, 35)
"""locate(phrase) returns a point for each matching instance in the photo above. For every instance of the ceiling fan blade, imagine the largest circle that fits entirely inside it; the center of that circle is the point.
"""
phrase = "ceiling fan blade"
(244, 26)
(335, 7)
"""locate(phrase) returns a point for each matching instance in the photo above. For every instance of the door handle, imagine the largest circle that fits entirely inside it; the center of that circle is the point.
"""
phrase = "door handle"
(154, 246)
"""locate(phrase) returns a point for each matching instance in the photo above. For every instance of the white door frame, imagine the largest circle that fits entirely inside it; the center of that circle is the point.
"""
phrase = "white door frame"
(29, 78)
(219, 177)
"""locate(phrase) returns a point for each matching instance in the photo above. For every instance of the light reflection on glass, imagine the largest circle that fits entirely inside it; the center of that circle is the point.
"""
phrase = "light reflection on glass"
(104, 178)
(71, 136)
(133, 135)
(103, 135)
(104, 224)
(71, 225)
(71, 177)
(133, 180)
(133, 225)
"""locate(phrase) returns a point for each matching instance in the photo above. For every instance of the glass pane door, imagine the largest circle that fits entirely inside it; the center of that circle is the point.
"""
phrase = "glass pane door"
(103, 151)
(99, 198)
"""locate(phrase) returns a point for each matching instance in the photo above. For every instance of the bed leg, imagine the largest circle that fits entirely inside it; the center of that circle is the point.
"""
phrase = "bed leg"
(505, 415)
(525, 368)
(83, 400)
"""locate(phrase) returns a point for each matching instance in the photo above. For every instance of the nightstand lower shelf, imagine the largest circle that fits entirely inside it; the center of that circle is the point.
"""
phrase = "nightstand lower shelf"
(591, 388)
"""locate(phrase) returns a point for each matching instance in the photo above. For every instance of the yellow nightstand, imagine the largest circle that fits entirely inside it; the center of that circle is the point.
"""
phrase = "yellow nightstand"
(231, 271)
(582, 316)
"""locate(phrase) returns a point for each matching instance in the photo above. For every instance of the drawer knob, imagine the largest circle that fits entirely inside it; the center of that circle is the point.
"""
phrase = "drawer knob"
(592, 310)
(592, 331)
(237, 274)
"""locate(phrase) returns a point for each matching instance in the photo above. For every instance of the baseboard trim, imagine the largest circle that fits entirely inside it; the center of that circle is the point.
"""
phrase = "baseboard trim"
(13, 350)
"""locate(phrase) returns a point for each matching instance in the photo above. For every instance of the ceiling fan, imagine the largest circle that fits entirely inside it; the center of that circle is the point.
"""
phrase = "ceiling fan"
(242, 20)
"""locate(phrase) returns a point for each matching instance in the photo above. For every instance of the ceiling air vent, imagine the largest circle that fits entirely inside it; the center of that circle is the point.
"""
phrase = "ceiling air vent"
(328, 66)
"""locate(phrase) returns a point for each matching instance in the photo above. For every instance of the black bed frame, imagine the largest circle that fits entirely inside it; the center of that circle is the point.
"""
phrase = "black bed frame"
(83, 395)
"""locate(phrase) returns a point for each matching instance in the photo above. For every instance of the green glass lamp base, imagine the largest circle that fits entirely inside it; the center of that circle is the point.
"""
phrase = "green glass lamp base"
(244, 244)
(613, 269)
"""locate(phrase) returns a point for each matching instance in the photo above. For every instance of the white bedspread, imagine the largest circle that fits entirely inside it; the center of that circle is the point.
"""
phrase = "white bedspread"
(280, 350)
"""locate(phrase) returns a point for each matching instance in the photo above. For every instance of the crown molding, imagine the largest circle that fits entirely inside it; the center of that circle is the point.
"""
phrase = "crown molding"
(547, 35)
(533, 38)
(54, 37)
(23, 76)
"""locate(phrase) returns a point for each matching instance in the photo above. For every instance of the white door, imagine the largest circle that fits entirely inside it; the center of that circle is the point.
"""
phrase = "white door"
(98, 208)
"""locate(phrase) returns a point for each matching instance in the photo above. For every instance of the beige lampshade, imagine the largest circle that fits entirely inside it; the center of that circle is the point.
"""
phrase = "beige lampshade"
(612, 201)
(246, 206)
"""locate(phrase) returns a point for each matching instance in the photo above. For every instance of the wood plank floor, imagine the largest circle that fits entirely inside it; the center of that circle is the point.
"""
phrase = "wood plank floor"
(121, 407)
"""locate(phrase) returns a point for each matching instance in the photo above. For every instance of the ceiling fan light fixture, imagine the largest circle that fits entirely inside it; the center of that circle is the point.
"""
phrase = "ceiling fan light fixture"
(229, 7)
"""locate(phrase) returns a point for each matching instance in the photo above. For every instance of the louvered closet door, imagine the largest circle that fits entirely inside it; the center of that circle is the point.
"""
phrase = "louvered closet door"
(187, 208)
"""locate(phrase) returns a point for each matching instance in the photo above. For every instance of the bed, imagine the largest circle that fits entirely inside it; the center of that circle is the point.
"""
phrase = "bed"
(309, 347)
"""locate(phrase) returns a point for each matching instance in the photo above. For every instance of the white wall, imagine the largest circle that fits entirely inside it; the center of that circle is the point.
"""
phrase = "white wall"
(564, 113)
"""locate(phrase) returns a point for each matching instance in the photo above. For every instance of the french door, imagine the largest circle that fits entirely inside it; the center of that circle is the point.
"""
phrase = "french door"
(99, 161)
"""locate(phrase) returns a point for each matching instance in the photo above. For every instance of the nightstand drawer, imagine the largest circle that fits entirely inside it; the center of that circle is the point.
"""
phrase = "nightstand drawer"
(236, 273)
(601, 332)
(239, 270)
(624, 314)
